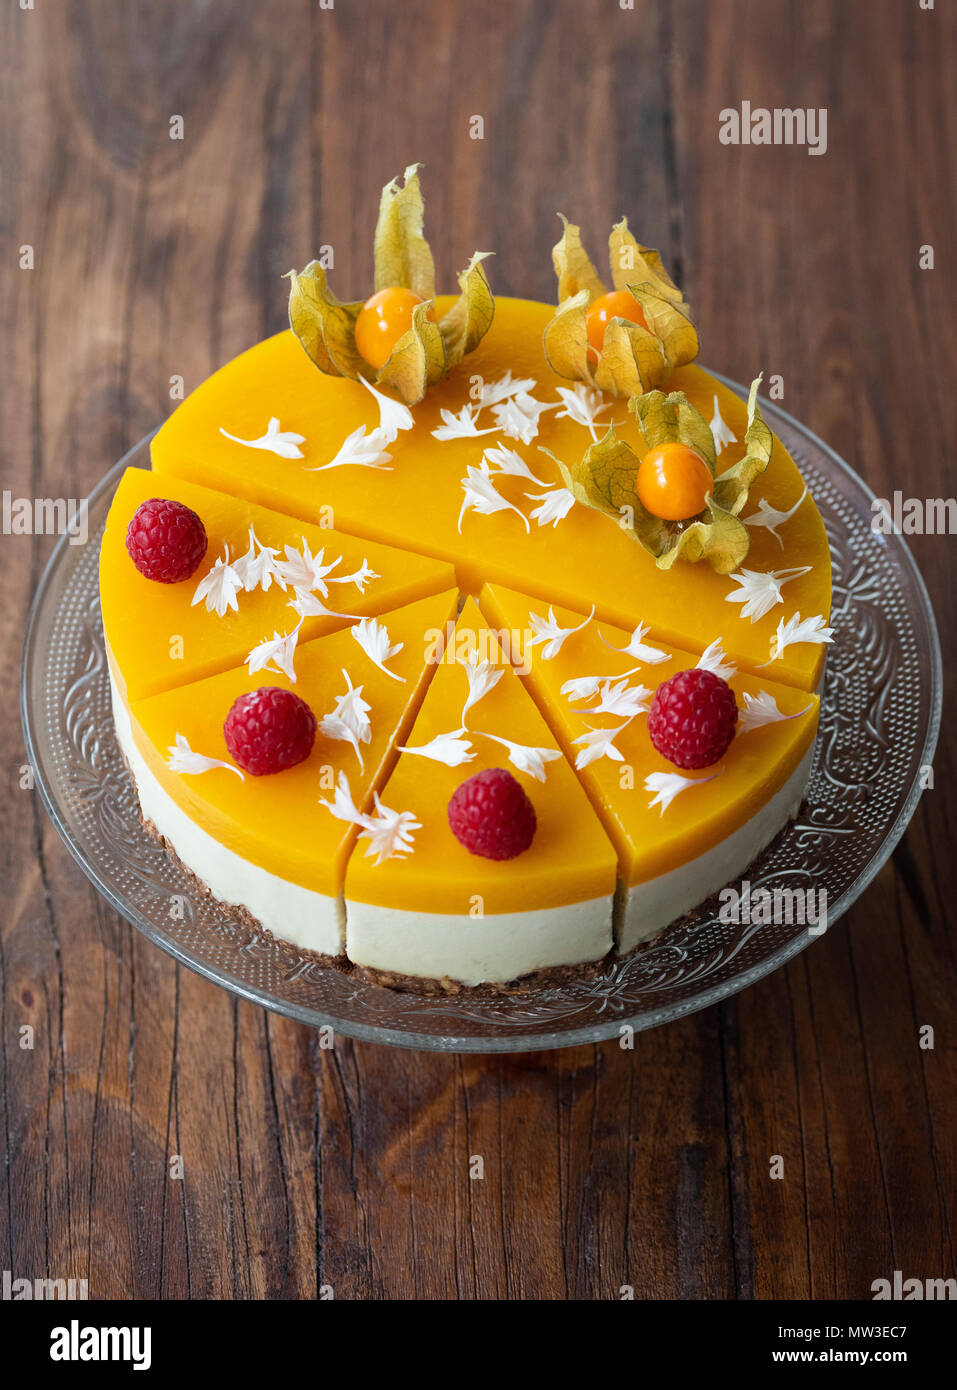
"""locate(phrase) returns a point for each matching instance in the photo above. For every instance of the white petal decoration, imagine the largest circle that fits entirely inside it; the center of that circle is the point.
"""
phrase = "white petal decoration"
(342, 805)
(759, 592)
(713, 659)
(305, 571)
(582, 404)
(723, 435)
(360, 577)
(771, 518)
(183, 759)
(307, 605)
(348, 721)
(762, 709)
(549, 631)
(389, 832)
(277, 441)
(510, 462)
(518, 417)
(373, 638)
(667, 785)
(585, 688)
(502, 390)
(362, 450)
(798, 629)
(553, 506)
(464, 425)
(599, 743)
(393, 415)
(278, 650)
(451, 749)
(483, 676)
(259, 566)
(526, 757)
(582, 688)
(219, 587)
(481, 496)
(637, 647)
(622, 700)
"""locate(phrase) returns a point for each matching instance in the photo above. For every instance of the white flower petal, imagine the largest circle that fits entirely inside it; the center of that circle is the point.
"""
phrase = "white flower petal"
(553, 506)
(282, 442)
(481, 496)
(723, 436)
(772, 519)
(362, 450)
(278, 650)
(373, 638)
(451, 749)
(713, 659)
(637, 648)
(582, 404)
(461, 426)
(667, 785)
(393, 415)
(219, 587)
(348, 721)
(762, 709)
(798, 629)
(183, 759)
(549, 631)
(526, 757)
(758, 591)
(483, 676)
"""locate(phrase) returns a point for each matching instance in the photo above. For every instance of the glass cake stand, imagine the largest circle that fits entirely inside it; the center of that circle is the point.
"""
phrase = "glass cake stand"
(879, 722)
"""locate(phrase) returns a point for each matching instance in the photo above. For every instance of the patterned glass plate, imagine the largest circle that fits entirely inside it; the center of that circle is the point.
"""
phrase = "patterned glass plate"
(879, 724)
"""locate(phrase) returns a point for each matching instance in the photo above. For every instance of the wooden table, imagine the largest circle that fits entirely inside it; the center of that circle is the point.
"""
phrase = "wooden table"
(157, 258)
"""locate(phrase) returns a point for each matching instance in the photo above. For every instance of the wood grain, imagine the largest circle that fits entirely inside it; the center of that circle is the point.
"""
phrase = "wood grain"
(157, 258)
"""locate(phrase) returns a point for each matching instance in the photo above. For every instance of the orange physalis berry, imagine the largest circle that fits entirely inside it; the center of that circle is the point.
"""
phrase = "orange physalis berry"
(674, 482)
(382, 321)
(619, 304)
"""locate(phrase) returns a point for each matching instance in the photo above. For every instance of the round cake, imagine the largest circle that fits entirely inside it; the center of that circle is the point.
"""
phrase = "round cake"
(410, 665)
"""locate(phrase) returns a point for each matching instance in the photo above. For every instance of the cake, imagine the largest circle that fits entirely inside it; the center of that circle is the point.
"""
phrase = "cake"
(467, 643)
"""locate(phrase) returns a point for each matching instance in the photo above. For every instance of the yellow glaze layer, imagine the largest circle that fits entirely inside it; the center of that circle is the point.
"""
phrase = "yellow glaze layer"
(585, 559)
(157, 639)
(277, 821)
(650, 843)
(570, 859)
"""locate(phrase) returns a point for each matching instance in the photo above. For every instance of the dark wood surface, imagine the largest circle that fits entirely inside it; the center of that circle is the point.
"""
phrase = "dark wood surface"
(157, 257)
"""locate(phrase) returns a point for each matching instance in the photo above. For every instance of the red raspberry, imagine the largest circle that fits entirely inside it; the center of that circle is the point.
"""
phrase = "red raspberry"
(491, 815)
(166, 540)
(269, 729)
(692, 718)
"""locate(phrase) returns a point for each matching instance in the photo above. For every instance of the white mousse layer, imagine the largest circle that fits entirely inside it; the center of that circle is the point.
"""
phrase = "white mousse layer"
(480, 950)
(300, 915)
(652, 905)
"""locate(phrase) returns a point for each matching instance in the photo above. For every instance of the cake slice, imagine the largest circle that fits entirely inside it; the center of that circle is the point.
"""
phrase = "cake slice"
(415, 496)
(266, 844)
(680, 836)
(444, 913)
(158, 637)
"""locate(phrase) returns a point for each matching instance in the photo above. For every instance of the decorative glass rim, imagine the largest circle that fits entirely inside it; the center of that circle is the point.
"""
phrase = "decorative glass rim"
(452, 1042)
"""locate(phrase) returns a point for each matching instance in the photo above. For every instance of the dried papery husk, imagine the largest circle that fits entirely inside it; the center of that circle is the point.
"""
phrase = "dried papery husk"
(633, 359)
(325, 326)
(606, 479)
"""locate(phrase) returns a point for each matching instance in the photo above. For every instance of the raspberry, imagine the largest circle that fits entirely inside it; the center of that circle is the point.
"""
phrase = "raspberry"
(692, 718)
(491, 815)
(269, 729)
(166, 540)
